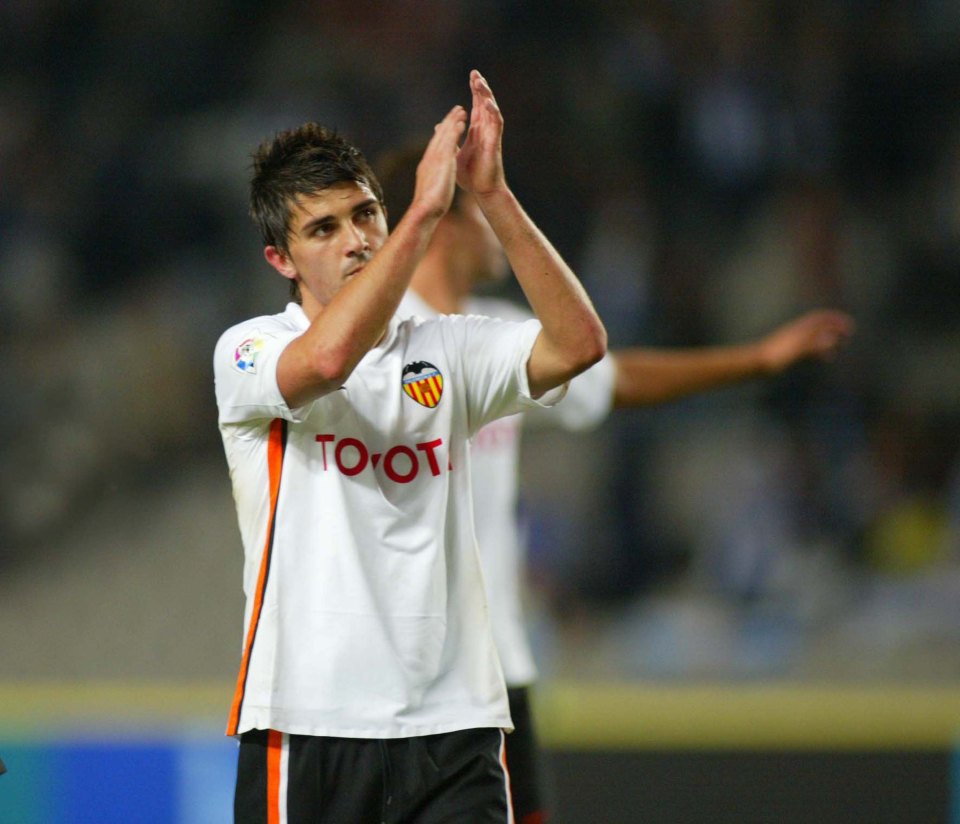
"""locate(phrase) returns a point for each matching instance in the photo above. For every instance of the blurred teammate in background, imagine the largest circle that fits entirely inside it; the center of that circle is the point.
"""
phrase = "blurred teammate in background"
(370, 688)
(464, 253)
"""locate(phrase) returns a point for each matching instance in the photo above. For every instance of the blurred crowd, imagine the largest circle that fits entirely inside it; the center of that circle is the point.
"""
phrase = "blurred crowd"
(710, 169)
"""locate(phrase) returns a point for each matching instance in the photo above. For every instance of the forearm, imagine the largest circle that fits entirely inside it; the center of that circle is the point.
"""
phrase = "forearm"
(650, 376)
(573, 337)
(647, 376)
(357, 316)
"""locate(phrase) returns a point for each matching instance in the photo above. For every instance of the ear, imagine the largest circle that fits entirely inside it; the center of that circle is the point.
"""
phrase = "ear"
(280, 261)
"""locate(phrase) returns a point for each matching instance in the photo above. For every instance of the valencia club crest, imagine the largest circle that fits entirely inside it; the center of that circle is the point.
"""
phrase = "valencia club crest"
(423, 383)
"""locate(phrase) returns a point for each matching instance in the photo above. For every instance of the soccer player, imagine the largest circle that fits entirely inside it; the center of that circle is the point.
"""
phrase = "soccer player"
(370, 688)
(465, 253)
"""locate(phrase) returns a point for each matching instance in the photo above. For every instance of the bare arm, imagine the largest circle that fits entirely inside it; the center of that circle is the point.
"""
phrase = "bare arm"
(355, 318)
(573, 337)
(650, 376)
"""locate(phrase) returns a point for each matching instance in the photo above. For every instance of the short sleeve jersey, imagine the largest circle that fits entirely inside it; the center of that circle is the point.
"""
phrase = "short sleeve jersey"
(366, 614)
(495, 459)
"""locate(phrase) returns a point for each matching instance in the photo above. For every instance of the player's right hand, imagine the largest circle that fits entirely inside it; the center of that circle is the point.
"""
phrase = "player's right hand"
(437, 170)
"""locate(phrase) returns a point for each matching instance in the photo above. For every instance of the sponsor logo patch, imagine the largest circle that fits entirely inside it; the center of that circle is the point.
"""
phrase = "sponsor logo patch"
(423, 383)
(246, 354)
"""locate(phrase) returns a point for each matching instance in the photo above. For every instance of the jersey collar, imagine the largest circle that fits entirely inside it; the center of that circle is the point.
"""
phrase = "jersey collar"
(295, 310)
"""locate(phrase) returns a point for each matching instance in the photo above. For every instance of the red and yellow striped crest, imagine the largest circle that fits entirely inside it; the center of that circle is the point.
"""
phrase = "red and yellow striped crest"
(423, 383)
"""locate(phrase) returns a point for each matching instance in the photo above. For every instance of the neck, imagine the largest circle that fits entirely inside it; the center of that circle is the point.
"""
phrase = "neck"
(436, 282)
(311, 307)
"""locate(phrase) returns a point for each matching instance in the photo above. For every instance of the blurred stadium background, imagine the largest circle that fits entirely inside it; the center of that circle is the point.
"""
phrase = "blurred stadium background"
(746, 607)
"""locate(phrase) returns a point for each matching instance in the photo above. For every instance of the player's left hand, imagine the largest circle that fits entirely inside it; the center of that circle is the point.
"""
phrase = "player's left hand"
(480, 161)
(816, 334)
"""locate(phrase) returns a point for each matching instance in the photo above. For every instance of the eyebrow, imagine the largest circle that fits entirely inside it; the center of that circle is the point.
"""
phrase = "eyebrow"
(317, 221)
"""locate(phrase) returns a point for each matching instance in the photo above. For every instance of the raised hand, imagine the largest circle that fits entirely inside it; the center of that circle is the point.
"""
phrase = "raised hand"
(816, 334)
(437, 170)
(480, 162)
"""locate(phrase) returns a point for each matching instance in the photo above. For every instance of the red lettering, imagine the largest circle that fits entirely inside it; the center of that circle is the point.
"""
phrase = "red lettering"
(428, 449)
(362, 456)
(324, 440)
(351, 465)
(392, 473)
(496, 435)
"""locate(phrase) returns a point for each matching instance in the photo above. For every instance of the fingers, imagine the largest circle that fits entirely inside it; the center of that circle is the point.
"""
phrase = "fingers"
(832, 317)
(479, 162)
(825, 321)
(483, 100)
(446, 134)
(480, 86)
(818, 334)
(831, 328)
(452, 125)
(475, 99)
(830, 332)
(437, 169)
(457, 115)
(482, 103)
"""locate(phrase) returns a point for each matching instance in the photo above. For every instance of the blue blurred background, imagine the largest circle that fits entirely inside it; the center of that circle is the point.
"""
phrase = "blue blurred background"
(709, 168)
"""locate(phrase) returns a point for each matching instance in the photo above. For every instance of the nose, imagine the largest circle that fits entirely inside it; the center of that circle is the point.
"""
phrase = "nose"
(357, 241)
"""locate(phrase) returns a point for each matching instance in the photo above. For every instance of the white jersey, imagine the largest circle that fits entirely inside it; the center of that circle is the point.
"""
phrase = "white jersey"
(495, 459)
(366, 615)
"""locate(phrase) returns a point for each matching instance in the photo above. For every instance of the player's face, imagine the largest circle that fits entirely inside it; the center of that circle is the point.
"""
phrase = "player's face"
(485, 255)
(333, 235)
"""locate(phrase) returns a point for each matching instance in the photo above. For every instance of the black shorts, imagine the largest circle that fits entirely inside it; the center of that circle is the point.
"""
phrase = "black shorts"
(290, 779)
(529, 777)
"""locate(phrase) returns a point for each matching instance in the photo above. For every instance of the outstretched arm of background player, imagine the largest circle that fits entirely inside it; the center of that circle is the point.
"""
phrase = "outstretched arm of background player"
(650, 376)
(320, 360)
(573, 337)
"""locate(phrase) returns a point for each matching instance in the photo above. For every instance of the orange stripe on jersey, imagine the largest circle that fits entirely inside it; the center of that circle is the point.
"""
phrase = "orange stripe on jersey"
(274, 749)
(275, 447)
(506, 777)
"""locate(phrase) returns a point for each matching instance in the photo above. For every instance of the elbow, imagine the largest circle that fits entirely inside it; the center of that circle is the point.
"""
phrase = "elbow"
(556, 362)
(593, 347)
(600, 344)
(589, 350)
(307, 371)
(336, 373)
(332, 366)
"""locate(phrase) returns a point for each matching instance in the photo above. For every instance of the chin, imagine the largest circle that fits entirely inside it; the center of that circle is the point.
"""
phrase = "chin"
(496, 275)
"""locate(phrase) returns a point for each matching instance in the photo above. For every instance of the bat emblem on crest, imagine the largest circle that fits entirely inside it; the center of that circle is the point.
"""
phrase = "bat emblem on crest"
(423, 383)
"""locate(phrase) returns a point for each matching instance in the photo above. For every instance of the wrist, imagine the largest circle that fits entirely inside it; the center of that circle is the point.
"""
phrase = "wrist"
(764, 358)
(420, 217)
(498, 205)
(499, 193)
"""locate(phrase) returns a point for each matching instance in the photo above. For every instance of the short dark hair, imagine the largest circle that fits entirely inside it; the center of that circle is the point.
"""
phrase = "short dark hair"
(397, 170)
(298, 162)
